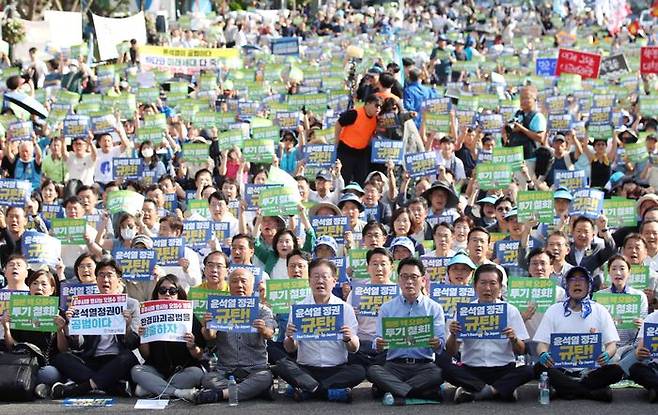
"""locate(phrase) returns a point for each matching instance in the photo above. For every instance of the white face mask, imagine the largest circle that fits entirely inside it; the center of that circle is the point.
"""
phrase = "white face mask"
(147, 152)
(127, 234)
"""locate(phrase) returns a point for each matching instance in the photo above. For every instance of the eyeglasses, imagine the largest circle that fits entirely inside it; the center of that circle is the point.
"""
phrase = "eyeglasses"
(213, 265)
(321, 277)
(409, 277)
(107, 275)
(170, 290)
(374, 235)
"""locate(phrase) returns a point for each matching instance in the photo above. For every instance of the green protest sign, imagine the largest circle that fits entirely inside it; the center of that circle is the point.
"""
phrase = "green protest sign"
(437, 123)
(69, 231)
(535, 205)
(279, 201)
(258, 151)
(148, 95)
(512, 156)
(493, 176)
(468, 102)
(523, 291)
(230, 138)
(33, 312)
(624, 308)
(195, 152)
(620, 212)
(649, 105)
(152, 134)
(263, 133)
(205, 119)
(407, 332)
(155, 121)
(636, 152)
(281, 294)
(357, 263)
(199, 206)
(124, 201)
(199, 298)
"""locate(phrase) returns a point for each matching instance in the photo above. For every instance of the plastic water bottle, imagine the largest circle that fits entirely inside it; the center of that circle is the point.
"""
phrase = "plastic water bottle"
(212, 362)
(232, 392)
(281, 386)
(388, 399)
(544, 389)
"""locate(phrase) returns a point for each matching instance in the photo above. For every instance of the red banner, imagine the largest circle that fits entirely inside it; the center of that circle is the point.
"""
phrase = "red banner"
(649, 59)
(580, 63)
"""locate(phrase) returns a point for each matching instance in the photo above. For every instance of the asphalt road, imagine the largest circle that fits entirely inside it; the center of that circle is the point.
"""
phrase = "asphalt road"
(625, 401)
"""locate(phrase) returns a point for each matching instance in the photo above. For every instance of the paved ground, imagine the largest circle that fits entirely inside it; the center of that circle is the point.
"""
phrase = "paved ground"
(625, 401)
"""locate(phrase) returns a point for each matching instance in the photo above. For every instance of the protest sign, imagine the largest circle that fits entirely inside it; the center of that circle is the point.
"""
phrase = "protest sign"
(541, 292)
(282, 294)
(287, 120)
(367, 299)
(650, 338)
(76, 126)
(436, 122)
(481, 321)
(165, 320)
(491, 123)
(197, 233)
(14, 192)
(357, 261)
(584, 64)
(385, 150)
(199, 207)
(279, 201)
(69, 231)
(5, 295)
(440, 105)
(636, 152)
(98, 314)
(449, 295)
(545, 66)
(222, 231)
(575, 350)
(127, 168)
(407, 332)
(152, 134)
(234, 314)
(286, 46)
(334, 226)
(559, 122)
(258, 151)
(33, 312)
(317, 321)
(68, 291)
(323, 155)
(507, 252)
(102, 124)
(183, 60)
(199, 297)
(649, 59)
(228, 139)
(110, 32)
(20, 131)
(421, 164)
(168, 250)
(435, 267)
(535, 205)
(195, 152)
(493, 176)
(124, 201)
(588, 203)
(620, 212)
(571, 179)
(624, 308)
(136, 264)
(252, 194)
(40, 248)
(512, 156)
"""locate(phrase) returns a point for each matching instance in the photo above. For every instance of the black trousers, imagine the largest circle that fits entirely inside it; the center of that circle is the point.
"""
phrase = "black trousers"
(505, 379)
(355, 163)
(367, 356)
(105, 371)
(319, 379)
(644, 375)
(406, 379)
(276, 352)
(569, 387)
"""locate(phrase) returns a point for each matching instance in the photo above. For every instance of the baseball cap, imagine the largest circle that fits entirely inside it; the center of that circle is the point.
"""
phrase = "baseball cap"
(404, 242)
(326, 240)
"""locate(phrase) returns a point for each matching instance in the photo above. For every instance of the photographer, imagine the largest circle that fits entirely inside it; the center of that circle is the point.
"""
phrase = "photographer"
(528, 126)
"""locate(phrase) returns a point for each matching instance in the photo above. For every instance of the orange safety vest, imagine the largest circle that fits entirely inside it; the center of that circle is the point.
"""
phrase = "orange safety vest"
(358, 135)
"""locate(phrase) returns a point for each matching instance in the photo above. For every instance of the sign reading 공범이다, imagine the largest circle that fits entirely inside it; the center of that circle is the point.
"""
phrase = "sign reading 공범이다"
(407, 332)
(482, 321)
(98, 314)
(575, 350)
(317, 321)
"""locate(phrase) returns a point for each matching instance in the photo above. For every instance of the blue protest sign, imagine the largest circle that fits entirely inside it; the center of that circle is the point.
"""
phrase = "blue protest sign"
(545, 66)
(235, 314)
(482, 321)
(136, 264)
(127, 168)
(571, 179)
(588, 203)
(317, 321)
(384, 150)
(14, 192)
(368, 298)
(40, 248)
(67, 291)
(168, 250)
(575, 350)
(287, 46)
(449, 295)
(197, 233)
(650, 338)
(334, 226)
(421, 164)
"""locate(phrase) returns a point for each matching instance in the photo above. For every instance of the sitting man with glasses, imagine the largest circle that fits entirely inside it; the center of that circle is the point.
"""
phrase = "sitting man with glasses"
(409, 372)
(321, 370)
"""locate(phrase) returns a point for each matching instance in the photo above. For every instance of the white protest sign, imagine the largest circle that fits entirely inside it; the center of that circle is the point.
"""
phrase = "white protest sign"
(110, 32)
(165, 320)
(98, 314)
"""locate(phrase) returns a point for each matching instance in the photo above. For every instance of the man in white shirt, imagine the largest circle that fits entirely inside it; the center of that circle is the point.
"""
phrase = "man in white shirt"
(578, 314)
(488, 369)
(81, 162)
(188, 270)
(649, 230)
(321, 369)
(324, 181)
(104, 173)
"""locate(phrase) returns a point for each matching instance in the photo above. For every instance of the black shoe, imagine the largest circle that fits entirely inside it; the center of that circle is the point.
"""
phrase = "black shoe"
(122, 390)
(61, 391)
(206, 396)
(463, 396)
(602, 395)
(376, 392)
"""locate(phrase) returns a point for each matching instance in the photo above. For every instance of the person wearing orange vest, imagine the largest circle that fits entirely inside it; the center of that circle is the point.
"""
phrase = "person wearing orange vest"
(353, 132)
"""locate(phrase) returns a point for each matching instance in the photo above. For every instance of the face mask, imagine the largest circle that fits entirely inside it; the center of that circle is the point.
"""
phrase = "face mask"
(147, 152)
(127, 234)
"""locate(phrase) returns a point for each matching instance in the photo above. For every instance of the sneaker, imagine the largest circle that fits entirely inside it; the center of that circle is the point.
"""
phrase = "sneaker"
(61, 391)
(463, 396)
(603, 395)
(300, 395)
(340, 395)
(185, 394)
(122, 390)
(141, 392)
(205, 396)
(41, 391)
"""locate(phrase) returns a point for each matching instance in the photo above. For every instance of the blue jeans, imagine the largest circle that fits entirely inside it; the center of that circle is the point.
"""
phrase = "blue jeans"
(48, 375)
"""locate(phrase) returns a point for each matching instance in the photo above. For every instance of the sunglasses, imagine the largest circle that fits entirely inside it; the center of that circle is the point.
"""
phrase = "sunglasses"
(170, 290)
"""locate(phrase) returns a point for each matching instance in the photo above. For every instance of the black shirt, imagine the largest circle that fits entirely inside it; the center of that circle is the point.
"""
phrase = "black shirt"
(169, 357)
